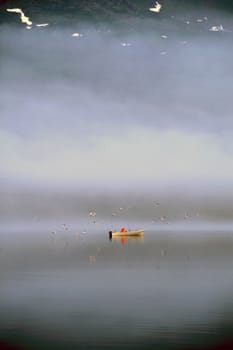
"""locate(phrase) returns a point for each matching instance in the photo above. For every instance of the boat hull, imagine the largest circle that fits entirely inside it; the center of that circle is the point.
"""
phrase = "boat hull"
(128, 233)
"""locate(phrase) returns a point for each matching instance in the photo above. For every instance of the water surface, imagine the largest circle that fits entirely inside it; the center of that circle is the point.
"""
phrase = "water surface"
(72, 290)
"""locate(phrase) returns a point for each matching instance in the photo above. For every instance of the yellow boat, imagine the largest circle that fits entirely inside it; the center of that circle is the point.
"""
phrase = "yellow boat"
(126, 233)
(124, 239)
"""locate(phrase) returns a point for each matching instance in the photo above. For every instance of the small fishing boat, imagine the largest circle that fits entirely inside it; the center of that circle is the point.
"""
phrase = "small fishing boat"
(126, 233)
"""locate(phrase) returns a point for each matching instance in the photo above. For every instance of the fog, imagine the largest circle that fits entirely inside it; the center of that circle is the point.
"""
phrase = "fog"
(120, 108)
(110, 125)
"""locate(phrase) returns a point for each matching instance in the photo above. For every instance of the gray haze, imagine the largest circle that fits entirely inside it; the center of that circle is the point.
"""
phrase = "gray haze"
(117, 108)
(118, 125)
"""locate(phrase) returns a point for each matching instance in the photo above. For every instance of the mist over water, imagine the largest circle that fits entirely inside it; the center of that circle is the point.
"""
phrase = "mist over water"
(124, 124)
(120, 108)
(117, 110)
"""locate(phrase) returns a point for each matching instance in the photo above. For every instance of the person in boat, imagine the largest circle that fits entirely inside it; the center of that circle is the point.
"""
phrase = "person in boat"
(123, 229)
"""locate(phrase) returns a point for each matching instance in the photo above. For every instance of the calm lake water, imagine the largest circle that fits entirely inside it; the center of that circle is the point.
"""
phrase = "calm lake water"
(79, 290)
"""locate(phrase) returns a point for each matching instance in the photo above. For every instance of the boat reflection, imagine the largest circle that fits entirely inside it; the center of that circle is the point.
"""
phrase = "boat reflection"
(124, 239)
